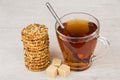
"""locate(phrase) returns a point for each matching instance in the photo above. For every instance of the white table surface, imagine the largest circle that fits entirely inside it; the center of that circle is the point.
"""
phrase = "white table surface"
(16, 14)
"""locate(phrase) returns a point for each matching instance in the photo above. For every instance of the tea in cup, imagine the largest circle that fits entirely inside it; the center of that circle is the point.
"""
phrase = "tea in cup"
(78, 39)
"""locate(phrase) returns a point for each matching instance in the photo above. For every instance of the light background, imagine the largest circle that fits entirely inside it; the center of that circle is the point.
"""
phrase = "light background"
(16, 14)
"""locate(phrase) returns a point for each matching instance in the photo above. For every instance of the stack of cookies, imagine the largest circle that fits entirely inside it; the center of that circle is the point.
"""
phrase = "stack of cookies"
(36, 47)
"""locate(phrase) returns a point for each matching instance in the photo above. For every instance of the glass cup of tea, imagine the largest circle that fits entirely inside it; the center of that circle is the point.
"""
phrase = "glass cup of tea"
(78, 39)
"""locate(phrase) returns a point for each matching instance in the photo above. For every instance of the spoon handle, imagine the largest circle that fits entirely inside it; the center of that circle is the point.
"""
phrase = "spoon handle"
(54, 14)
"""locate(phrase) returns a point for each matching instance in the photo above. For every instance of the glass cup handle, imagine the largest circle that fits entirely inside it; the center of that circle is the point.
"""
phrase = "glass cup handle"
(102, 49)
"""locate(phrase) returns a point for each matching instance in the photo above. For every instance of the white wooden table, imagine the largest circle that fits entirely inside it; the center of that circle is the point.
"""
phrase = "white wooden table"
(16, 14)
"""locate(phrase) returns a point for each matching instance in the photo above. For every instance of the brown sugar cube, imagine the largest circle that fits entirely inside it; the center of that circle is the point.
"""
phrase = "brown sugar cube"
(56, 62)
(64, 70)
(51, 71)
